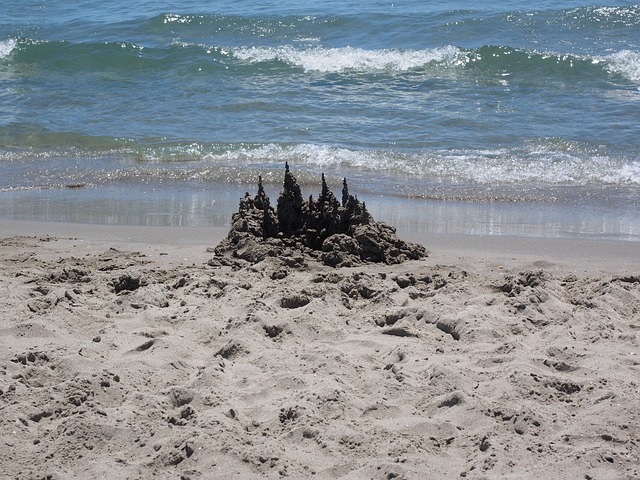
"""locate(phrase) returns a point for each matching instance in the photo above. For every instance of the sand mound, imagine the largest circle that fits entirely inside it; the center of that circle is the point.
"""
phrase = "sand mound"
(339, 234)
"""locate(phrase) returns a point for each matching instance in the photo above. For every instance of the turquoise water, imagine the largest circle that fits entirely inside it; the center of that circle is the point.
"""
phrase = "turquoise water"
(525, 118)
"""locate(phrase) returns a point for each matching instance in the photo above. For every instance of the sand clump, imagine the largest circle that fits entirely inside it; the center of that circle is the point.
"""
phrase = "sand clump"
(340, 234)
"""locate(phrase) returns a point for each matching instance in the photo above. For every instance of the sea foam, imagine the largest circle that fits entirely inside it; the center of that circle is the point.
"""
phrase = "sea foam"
(537, 163)
(335, 60)
(7, 46)
(625, 63)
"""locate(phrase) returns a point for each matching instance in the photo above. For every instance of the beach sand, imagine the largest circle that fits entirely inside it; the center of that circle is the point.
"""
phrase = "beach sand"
(125, 354)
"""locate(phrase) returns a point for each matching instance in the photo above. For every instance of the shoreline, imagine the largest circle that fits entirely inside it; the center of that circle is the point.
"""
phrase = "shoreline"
(585, 256)
(175, 204)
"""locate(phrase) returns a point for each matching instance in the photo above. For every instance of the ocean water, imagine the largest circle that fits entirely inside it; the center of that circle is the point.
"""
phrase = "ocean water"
(499, 118)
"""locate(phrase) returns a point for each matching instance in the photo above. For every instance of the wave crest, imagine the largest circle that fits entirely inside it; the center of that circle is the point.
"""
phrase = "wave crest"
(489, 60)
(625, 63)
(547, 163)
(335, 60)
(606, 16)
(7, 46)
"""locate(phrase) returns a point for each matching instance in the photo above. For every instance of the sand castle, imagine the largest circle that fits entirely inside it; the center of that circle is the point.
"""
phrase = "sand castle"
(337, 233)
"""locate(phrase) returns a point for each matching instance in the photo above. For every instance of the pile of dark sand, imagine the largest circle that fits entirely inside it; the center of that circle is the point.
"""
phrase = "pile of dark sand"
(340, 234)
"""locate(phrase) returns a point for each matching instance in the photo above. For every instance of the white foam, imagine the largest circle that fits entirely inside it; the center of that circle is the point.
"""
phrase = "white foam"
(625, 63)
(317, 155)
(546, 165)
(7, 46)
(332, 60)
(175, 18)
(532, 164)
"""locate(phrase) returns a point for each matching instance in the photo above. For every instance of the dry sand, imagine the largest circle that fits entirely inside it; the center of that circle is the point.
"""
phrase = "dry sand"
(123, 354)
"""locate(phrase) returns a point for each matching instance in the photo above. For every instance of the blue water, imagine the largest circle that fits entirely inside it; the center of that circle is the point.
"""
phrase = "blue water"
(165, 112)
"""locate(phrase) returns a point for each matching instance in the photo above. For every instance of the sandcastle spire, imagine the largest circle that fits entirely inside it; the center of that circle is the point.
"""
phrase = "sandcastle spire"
(290, 202)
(345, 192)
(260, 187)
